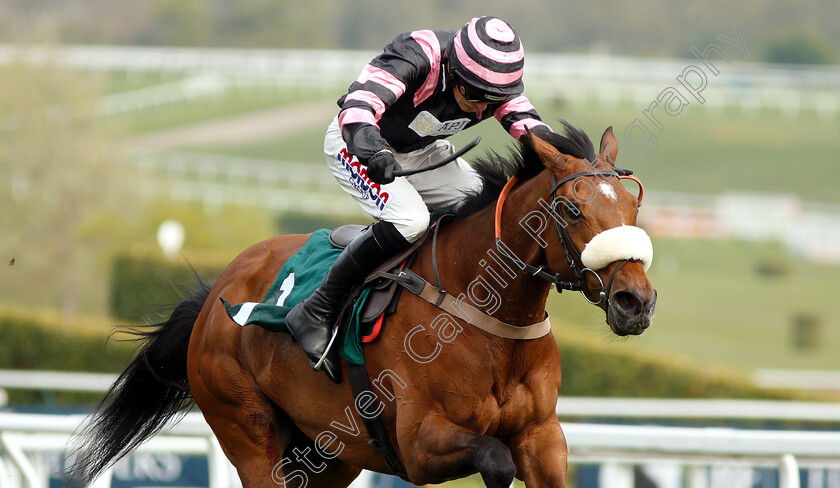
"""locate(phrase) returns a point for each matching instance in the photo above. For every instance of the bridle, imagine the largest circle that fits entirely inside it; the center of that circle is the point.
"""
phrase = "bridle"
(573, 256)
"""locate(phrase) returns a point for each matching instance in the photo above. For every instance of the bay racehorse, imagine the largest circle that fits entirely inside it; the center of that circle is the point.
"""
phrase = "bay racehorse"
(454, 399)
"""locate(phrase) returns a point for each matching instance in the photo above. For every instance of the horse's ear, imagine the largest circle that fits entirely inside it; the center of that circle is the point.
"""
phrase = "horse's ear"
(609, 146)
(548, 154)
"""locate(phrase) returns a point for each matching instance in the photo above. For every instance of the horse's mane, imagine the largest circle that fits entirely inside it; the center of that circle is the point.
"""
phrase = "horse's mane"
(495, 170)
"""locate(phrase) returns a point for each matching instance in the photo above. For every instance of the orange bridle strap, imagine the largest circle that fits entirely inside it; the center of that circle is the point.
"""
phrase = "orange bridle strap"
(500, 203)
(638, 182)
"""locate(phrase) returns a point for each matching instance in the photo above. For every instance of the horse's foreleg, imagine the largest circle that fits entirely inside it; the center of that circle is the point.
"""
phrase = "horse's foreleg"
(540, 455)
(441, 450)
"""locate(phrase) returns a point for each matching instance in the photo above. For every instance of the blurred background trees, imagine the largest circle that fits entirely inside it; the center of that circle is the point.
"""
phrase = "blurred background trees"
(56, 163)
(802, 45)
(795, 32)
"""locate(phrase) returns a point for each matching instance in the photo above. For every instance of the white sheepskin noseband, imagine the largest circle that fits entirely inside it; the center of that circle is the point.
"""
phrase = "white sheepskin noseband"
(616, 244)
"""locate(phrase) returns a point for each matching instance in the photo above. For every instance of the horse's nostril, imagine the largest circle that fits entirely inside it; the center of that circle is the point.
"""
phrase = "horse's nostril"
(628, 302)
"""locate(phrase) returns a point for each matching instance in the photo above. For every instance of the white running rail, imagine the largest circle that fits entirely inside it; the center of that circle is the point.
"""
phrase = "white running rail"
(26, 438)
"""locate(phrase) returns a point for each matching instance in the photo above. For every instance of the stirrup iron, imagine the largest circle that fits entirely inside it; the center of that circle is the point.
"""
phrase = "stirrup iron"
(317, 366)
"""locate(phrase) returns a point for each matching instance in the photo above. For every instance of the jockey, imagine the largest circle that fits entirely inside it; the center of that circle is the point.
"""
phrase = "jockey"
(426, 86)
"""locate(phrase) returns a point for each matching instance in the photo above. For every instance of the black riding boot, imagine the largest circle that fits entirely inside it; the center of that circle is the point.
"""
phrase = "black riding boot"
(311, 321)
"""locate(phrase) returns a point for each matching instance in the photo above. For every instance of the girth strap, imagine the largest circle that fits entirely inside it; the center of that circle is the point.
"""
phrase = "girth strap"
(360, 384)
(379, 440)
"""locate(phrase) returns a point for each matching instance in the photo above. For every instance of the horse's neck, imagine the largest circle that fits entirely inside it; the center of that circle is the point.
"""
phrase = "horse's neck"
(470, 262)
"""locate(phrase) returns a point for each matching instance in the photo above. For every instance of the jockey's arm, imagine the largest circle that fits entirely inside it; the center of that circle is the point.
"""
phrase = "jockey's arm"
(518, 116)
(398, 71)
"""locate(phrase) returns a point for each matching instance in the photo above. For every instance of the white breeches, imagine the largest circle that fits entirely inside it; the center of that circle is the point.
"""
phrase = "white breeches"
(407, 200)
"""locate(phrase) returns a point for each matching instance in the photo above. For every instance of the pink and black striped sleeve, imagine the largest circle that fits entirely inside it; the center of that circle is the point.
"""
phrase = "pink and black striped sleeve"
(518, 116)
(403, 68)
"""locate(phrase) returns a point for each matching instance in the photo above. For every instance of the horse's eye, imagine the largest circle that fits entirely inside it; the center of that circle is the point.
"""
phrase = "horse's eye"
(572, 211)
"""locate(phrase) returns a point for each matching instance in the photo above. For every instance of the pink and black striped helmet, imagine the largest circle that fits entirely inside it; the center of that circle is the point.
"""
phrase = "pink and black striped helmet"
(487, 58)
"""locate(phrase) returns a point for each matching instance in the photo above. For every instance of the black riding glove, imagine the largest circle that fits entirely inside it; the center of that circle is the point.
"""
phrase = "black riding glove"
(381, 167)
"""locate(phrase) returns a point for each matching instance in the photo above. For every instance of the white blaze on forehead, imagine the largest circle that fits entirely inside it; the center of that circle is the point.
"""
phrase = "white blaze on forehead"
(616, 244)
(607, 190)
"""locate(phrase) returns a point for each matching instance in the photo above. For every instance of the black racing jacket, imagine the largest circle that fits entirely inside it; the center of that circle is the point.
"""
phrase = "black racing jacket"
(402, 100)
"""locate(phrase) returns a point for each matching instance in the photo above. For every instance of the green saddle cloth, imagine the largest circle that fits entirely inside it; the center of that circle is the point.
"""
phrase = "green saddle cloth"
(299, 278)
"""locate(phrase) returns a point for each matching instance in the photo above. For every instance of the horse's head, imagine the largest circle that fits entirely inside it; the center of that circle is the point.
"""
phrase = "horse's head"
(597, 242)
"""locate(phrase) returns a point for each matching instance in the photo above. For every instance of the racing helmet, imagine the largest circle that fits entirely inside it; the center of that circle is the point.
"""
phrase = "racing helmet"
(486, 60)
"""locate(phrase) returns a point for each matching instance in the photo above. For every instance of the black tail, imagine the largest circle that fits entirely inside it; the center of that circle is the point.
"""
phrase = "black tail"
(151, 391)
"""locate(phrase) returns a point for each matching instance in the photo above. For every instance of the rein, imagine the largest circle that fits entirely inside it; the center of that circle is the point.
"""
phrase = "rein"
(571, 253)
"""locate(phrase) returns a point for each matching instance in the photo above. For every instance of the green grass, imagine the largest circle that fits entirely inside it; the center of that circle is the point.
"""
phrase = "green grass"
(233, 101)
(305, 146)
(226, 104)
(125, 82)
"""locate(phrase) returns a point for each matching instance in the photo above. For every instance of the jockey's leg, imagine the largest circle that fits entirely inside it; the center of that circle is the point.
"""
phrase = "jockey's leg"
(311, 321)
(403, 219)
(445, 187)
(397, 202)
